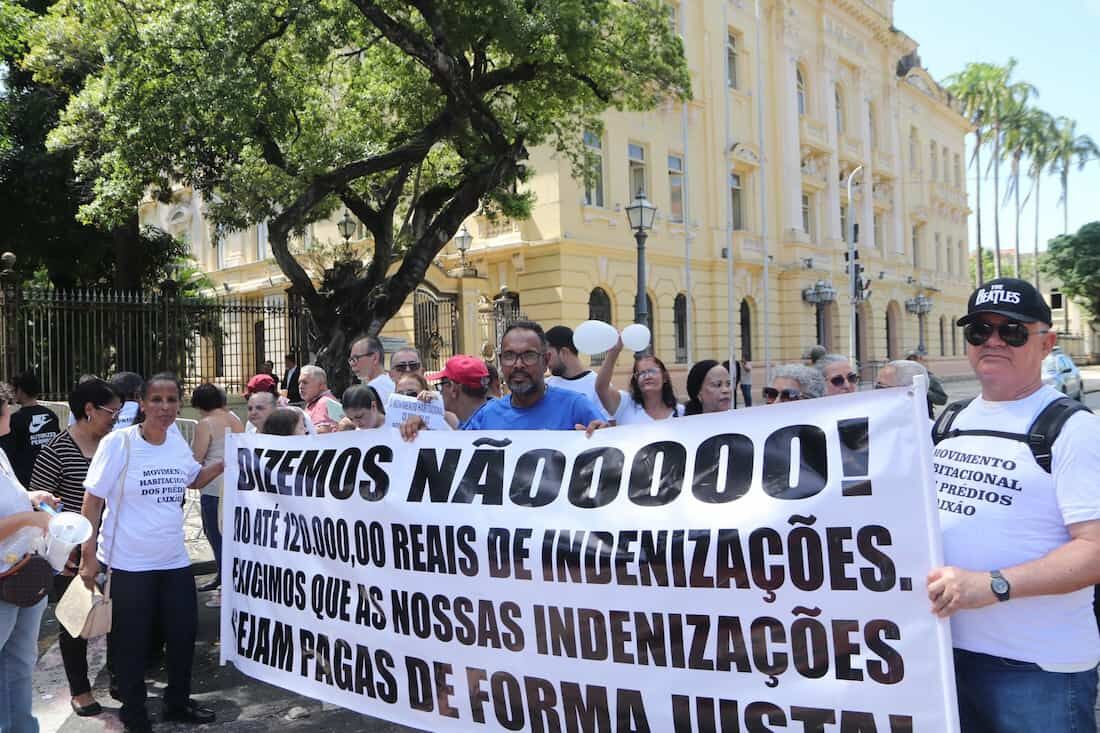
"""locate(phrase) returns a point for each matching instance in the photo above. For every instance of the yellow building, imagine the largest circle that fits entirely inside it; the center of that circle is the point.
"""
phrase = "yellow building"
(841, 88)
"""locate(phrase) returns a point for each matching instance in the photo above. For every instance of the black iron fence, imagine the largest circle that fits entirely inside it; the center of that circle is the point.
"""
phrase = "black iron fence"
(64, 334)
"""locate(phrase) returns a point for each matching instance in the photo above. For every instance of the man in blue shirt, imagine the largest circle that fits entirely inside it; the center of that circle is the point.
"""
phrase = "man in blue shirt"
(532, 404)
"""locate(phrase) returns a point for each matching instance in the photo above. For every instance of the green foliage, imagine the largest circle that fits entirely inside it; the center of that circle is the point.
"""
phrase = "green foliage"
(1008, 269)
(1075, 260)
(412, 114)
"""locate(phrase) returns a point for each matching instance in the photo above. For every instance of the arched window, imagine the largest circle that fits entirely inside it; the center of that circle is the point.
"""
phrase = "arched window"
(599, 309)
(838, 100)
(954, 338)
(800, 89)
(935, 157)
(746, 331)
(943, 336)
(680, 326)
(892, 335)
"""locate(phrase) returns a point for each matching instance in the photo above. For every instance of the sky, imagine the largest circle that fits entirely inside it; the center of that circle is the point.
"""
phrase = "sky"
(1054, 44)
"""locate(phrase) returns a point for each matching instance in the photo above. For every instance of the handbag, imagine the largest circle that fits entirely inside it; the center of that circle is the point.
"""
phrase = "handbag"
(86, 612)
(27, 582)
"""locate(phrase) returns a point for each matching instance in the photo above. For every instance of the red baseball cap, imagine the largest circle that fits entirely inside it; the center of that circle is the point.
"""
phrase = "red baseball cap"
(467, 370)
(260, 383)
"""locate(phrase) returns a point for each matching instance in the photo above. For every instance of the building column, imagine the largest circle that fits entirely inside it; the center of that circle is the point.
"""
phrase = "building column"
(791, 181)
(832, 165)
(867, 215)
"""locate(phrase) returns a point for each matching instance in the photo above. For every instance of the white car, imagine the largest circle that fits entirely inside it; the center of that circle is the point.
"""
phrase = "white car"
(1060, 372)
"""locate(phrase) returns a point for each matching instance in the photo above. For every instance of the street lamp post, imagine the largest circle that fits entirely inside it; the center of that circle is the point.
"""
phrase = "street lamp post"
(641, 214)
(819, 295)
(463, 239)
(853, 271)
(921, 305)
(347, 228)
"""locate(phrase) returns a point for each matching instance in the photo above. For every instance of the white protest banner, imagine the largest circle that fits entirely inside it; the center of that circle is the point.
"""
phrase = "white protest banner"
(401, 407)
(748, 571)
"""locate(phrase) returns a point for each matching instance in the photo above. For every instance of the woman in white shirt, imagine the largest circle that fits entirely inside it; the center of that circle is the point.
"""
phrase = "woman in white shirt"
(141, 475)
(650, 397)
(18, 626)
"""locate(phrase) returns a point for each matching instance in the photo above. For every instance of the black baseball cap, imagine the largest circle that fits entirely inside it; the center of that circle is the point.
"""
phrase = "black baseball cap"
(1008, 297)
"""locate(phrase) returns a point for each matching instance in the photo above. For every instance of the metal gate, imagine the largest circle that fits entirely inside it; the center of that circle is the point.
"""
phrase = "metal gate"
(435, 327)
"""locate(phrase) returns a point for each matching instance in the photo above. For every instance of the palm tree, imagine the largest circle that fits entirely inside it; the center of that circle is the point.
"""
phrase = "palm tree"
(1039, 148)
(1068, 147)
(970, 86)
(1022, 129)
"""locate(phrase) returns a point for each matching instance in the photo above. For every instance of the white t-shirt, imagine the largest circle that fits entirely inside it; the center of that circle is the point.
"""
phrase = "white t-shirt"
(150, 520)
(383, 385)
(631, 413)
(585, 384)
(998, 508)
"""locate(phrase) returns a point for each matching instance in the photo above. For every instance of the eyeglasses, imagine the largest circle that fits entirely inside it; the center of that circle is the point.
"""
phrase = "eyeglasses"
(109, 411)
(771, 394)
(838, 380)
(444, 382)
(354, 358)
(1012, 333)
(408, 392)
(529, 358)
(651, 372)
(406, 366)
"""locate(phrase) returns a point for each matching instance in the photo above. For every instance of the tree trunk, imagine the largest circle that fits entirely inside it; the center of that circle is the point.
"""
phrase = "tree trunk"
(1016, 178)
(1038, 180)
(996, 201)
(1065, 198)
(126, 243)
(980, 266)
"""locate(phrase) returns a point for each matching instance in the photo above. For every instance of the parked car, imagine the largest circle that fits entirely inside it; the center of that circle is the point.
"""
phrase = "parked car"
(1060, 372)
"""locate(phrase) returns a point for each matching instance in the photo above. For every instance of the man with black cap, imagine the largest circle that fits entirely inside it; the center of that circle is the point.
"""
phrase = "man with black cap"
(1016, 471)
(566, 370)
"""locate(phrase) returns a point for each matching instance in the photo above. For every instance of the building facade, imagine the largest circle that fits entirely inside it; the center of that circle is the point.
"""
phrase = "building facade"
(748, 253)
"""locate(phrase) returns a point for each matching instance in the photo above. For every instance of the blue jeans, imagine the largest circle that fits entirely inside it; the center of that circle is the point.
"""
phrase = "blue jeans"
(209, 505)
(998, 695)
(746, 389)
(19, 636)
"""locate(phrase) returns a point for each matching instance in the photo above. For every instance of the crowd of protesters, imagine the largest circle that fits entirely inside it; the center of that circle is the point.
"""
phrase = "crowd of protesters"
(120, 428)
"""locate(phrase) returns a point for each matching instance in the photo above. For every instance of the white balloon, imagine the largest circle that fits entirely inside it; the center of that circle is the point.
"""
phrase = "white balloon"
(636, 337)
(594, 337)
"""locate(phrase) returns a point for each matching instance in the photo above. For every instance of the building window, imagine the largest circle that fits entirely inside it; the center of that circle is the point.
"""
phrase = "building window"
(954, 339)
(943, 336)
(736, 212)
(958, 172)
(731, 61)
(263, 247)
(844, 226)
(914, 150)
(916, 246)
(939, 256)
(949, 256)
(636, 155)
(808, 214)
(599, 309)
(1056, 300)
(593, 186)
(676, 188)
(935, 161)
(876, 225)
(838, 100)
(800, 90)
(680, 325)
(946, 171)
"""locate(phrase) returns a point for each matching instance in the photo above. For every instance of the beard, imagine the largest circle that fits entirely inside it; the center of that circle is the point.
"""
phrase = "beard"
(522, 388)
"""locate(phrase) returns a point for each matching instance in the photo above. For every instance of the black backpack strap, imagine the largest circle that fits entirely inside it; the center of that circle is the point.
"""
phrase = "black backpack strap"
(1046, 427)
(942, 428)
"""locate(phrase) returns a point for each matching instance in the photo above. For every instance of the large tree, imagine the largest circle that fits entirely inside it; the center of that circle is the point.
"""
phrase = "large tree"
(1075, 260)
(413, 114)
(1070, 148)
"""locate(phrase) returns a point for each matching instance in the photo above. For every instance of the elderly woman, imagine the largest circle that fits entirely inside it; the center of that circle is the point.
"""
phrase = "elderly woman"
(901, 373)
(792, 382)
(141, 474)
(18, 625)
(839, 376)
(61, 468)
(709, 388)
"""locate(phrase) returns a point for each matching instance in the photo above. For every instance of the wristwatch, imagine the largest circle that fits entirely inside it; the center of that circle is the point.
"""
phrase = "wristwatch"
(999, 585)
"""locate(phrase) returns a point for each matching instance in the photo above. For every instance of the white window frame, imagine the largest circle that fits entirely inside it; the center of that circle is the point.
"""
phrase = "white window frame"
(838, 102)
(737, 202)
(732, 40)
(636, 169)
(594, 191)
(675, 186)
(808, 214)
(800, 90)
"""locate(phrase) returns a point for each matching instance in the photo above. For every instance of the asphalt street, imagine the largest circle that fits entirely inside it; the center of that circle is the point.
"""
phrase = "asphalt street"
(243, 704)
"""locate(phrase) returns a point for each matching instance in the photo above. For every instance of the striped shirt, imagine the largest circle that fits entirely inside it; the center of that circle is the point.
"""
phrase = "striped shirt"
(60, 469)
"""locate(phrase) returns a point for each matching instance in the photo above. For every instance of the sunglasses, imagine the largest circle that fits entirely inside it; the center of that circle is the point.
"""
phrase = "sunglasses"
(407, 366)
(1012, 333)
(771, 395)
(838, 380)
(109, 411)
